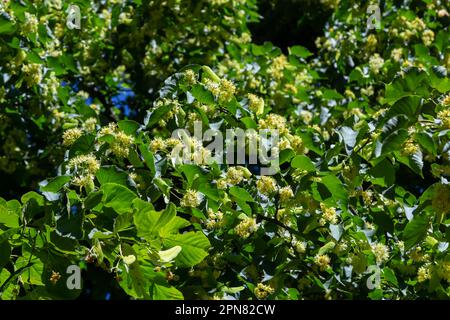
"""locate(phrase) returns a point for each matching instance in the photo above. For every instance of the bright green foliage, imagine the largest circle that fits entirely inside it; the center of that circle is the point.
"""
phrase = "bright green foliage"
(364, 152)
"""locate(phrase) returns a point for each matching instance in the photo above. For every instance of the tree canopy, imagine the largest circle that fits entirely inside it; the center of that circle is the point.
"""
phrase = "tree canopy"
(357, 207)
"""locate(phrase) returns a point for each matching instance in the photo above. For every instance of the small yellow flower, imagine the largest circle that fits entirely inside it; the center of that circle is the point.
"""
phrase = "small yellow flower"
(381, 252)
(428, 37)
(444, 115)
(423, 274)
(158, 144)
(410, 148)
(266, 185)
(329, 214)
(262, 291)
(286, 194)
(397, 54)
(121, 144)
(54, 278)
(256, 104)
(246, 227)
(70, 136)
(234, 176)
(323, 261)
(376, 63)
(190, 199)
(90, 124)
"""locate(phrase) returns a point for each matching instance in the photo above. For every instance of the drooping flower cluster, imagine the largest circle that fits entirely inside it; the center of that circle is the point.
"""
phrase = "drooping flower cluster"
(121, 142)
(266, 185)
(191, 199)
(246, 227)
(262, 291)
(84, 168)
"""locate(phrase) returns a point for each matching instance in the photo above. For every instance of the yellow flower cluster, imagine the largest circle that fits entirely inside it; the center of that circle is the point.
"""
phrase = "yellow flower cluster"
(224, 89)
(87, 162)
(371, 43)
(300, 246)
(286, 194)
(274, 122)
(441, 198)
(266, 185)
(329, 214)
(90, 124)
(30, 25)
(295, 143)
(85, 167)
(32, 73)
(444, 115)
(423, 274)
(234, 176)
(446, 101)
(157, 144)
(381, 252)
(428, 37)
(191, 199)
(367, 197)
(190, 77)
(323, 261)
(418, 256)
(122, 142)
(306, 116)
(376, 63)
(397, 54)
(246, 227)
(70, 136)
(262, 291)
(444, 270)
(330, 4)
(121, 145)
(215, 219)
(412, 28)
(410, 147)
(255, 104)
(174, 110)
(277, 67)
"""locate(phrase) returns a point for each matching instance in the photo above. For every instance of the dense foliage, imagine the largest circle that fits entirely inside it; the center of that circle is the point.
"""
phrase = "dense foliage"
(89, 178)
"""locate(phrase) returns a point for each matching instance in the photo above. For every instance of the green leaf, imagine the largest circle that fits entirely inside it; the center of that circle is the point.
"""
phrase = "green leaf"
(135, 281)
(6, 24)
(383, 174)
(55, 184)
(148, 158)
(83, 145)
(111, 174)
(439, 79)
(156, 115)
(165, 292)
(9, 213)
(426, 141)
(409, 106)
(202, 95)
(5, 252)
(414, 161)
(334, 185)
(300, 52)
(129, 127)
(332, 94)
(393, 142)
(415, 231)
(194, 247)
(118, 197)
(93, 199)
(304, 163)
(241, 194)
(151, 223)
